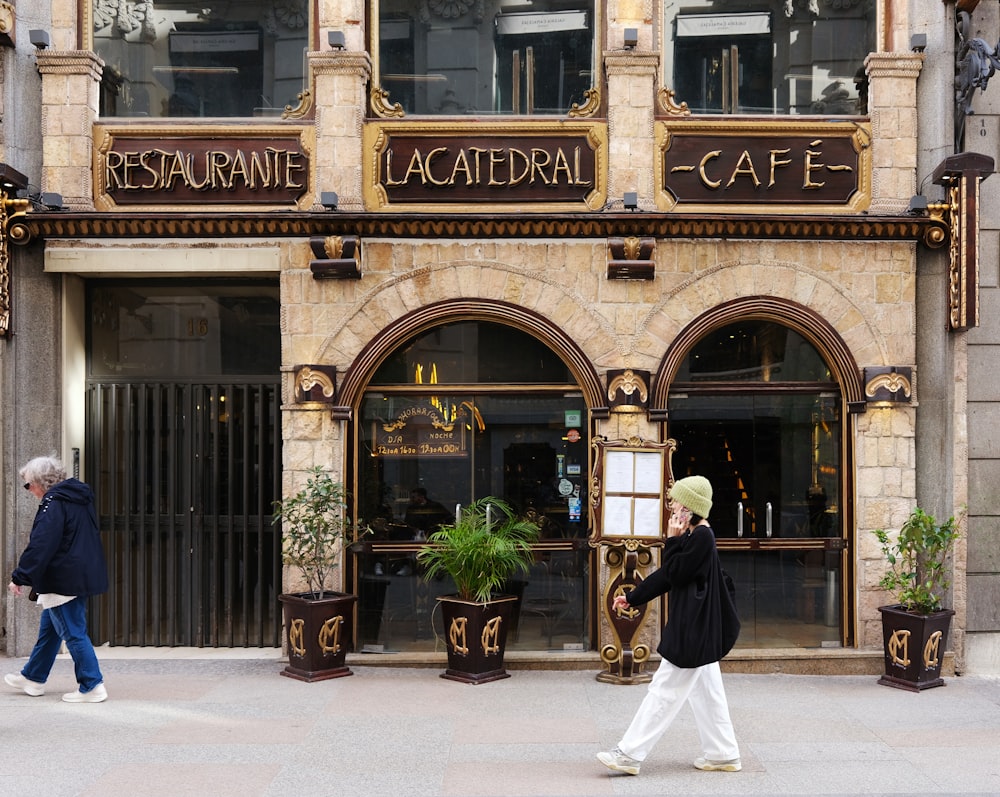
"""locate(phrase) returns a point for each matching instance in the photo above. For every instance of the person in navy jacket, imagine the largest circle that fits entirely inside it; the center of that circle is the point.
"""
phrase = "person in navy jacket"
(63, 565)
(701, 628)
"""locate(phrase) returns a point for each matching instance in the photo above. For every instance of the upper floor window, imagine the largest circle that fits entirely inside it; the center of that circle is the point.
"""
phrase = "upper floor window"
(769, 56)
(200, 58)
(486, 56)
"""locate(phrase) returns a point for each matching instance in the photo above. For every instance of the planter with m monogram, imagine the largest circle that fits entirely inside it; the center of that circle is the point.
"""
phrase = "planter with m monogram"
(914, 646)
(318, 632)
(475, 636)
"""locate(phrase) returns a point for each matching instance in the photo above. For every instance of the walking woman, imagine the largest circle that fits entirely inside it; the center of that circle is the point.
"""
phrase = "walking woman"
(64, 564)
(701, 628)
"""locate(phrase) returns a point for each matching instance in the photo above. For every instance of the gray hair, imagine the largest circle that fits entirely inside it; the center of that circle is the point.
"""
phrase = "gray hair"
(43, 472)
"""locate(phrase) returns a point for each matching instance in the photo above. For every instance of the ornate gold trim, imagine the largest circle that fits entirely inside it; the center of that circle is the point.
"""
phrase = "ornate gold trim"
(665, 98)
(303, 109)
(380, 104)
(591, 103)
(302, 224)
(861, 139)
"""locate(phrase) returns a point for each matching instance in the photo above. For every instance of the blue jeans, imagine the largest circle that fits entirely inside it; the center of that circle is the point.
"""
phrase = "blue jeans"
(66, 623)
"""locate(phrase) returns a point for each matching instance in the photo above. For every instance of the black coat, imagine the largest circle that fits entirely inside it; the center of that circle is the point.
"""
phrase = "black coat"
(702, 625)
(64, 553)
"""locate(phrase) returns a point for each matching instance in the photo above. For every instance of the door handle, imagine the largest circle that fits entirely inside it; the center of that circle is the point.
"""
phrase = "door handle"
(739, 519)
(768, 513)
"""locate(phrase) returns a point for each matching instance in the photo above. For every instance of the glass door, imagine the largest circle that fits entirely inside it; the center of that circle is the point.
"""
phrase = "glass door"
(774, 463)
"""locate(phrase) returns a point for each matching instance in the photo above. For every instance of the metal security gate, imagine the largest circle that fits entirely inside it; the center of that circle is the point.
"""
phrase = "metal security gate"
(185, 475)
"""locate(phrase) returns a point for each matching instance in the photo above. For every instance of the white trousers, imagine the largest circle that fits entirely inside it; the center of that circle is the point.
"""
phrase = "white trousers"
(670, 687)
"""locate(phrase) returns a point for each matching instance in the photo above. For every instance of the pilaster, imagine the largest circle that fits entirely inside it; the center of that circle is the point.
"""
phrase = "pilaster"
(339, 78)
(631, 100)
(70, 97)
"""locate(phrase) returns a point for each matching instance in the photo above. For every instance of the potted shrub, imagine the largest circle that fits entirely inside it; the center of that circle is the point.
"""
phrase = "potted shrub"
(915, 628)
(485, 546)
(318, 622)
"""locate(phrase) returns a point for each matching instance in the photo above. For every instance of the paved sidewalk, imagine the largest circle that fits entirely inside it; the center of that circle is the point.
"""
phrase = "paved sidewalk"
(215, 727)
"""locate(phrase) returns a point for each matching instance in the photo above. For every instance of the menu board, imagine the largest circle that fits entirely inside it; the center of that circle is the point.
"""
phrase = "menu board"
(631, 478)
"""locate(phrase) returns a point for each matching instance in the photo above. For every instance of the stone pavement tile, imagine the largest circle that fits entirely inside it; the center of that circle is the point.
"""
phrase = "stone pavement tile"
(975, 767)
(205, 730)
(487, 779)
(492, 729)
(196, 780)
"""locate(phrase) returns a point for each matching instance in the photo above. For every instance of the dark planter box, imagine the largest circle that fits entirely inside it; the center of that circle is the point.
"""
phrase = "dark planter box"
(914, 646)
(475, 635)
(318, 632)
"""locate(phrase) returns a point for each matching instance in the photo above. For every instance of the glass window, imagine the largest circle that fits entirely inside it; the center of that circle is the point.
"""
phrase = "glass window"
(486, 56)
(165, 331)
(770, 56)
(190, 58)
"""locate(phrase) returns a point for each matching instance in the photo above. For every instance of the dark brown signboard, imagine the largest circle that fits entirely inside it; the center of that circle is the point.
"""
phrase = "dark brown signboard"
(432, 166)
(193, 169)
(800, 166)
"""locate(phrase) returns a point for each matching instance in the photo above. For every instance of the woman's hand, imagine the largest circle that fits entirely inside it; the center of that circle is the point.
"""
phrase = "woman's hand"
(680, 519)
(14, 588)
(620, 603)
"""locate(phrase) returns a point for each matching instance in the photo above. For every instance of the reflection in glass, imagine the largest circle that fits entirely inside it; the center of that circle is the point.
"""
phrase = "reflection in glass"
(189, 58)
(771, 57)
(486, 56)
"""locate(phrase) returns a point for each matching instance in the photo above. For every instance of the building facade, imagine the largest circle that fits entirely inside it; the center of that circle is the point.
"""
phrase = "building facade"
(457, 248)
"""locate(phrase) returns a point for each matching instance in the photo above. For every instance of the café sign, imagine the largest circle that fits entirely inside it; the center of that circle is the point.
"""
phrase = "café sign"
(555, 165)
(428, 428)
(260, 166)
(763, 166)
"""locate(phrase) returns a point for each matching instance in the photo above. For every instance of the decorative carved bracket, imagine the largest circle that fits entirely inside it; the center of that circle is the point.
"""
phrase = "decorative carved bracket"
(975, 63)
(631, 258)
(315, 383)
(961, 175)
(338, 257)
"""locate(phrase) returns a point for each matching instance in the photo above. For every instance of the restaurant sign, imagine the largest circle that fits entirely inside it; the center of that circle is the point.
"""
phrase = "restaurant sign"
(763, 166)
(441, 166)
(428, 428)
(260, 166)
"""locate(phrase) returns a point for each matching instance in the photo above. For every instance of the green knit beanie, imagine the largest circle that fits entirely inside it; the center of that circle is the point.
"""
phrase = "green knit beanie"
(694, 493)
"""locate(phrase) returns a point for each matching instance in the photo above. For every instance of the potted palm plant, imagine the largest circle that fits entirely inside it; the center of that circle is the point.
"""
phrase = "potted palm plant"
(318, 621)
(485, 546)
(915, 628)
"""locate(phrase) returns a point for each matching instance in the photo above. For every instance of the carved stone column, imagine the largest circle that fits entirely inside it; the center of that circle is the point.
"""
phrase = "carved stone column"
(71, 82)
(631, 100)
(339, 78)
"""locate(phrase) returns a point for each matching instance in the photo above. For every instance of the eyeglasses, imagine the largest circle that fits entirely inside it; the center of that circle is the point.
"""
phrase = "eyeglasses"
(27, 485)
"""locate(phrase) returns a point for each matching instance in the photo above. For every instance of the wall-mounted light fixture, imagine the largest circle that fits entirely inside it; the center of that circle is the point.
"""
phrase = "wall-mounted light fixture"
(630, 200)
(631, 38)
(39, 38)
(918, 205)
(918, 42)
(329, 199)
(886, 386)
(51, 200)
(337, 40)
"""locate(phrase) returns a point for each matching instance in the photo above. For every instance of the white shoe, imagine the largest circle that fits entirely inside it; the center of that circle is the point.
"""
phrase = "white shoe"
(619, 762)
(704, 764)
(96, 695)
(18, 681)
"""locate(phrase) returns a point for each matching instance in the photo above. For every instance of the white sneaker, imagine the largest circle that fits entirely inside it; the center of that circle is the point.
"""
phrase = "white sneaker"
(18, 681)
(619, 762)
(96, 695)
(704, 764)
